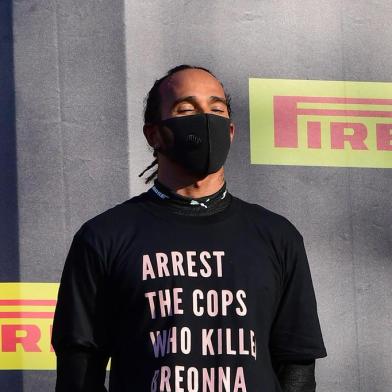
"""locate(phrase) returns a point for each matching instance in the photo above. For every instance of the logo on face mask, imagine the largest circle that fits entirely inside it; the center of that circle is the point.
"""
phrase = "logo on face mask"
(200, 142)
(194, 140)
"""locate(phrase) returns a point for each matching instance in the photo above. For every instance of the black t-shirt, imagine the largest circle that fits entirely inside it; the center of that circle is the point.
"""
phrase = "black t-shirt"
(189, 303)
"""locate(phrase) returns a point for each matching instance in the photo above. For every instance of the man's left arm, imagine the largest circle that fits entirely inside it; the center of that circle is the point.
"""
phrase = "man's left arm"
(296, 339)
(296, 376)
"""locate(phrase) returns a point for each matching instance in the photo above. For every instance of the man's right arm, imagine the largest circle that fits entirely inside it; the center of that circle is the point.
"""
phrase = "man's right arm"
(79, 370)
(79, 335)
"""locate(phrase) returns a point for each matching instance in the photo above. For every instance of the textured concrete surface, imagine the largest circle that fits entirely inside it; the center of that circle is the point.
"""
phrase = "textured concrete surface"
(71, 132)
(81, 71)
(71, 123)
(9, 255)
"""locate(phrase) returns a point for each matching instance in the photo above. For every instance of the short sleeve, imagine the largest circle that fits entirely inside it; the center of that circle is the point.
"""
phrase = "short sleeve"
(79, 315)
(295, 332)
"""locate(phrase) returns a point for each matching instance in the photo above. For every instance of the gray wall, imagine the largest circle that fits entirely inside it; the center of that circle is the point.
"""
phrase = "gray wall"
(81, 71)
(71, 134)
(344, 214)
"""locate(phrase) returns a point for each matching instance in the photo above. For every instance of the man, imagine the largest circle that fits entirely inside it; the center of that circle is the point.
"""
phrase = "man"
(186, 287)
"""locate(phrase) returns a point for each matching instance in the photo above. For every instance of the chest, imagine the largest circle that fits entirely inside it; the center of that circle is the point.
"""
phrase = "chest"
(216, 270)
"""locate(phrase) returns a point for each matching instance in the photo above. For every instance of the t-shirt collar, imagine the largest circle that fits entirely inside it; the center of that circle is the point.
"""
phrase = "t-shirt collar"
(175, 199)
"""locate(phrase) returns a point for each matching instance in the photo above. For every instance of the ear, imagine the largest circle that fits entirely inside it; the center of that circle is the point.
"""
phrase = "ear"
(232, 131)
(151, 134)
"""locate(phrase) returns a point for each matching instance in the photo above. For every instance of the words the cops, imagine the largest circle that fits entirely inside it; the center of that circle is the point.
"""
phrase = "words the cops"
(168, 302)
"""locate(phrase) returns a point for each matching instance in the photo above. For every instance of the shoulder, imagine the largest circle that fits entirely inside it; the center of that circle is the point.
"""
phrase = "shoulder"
(268, 221)
(110, 227)
(285, 240)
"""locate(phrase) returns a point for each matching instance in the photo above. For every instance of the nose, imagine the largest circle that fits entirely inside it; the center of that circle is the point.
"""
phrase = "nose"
(204, 107)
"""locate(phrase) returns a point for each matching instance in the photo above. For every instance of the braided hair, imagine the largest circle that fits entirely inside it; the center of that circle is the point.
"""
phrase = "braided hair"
(152, 109)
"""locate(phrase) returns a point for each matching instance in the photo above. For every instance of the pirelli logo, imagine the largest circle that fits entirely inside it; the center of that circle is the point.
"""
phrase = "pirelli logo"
(321, 123)
(26, 318)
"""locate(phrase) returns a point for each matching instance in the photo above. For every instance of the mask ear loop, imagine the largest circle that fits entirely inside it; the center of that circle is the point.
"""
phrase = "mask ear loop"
(209, 142)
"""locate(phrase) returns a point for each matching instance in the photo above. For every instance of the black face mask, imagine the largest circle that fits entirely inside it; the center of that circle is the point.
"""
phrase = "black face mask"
(198, 142)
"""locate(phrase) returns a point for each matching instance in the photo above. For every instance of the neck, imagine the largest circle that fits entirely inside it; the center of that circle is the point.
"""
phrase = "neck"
(189, 186)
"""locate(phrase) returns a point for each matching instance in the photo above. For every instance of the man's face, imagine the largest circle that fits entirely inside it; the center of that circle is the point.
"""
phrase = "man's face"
(192, 91)
(188, 92)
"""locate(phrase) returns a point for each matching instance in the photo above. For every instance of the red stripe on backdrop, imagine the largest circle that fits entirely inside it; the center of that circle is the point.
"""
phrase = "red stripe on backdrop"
(348, 113)
(27, 302)
(41, 315)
